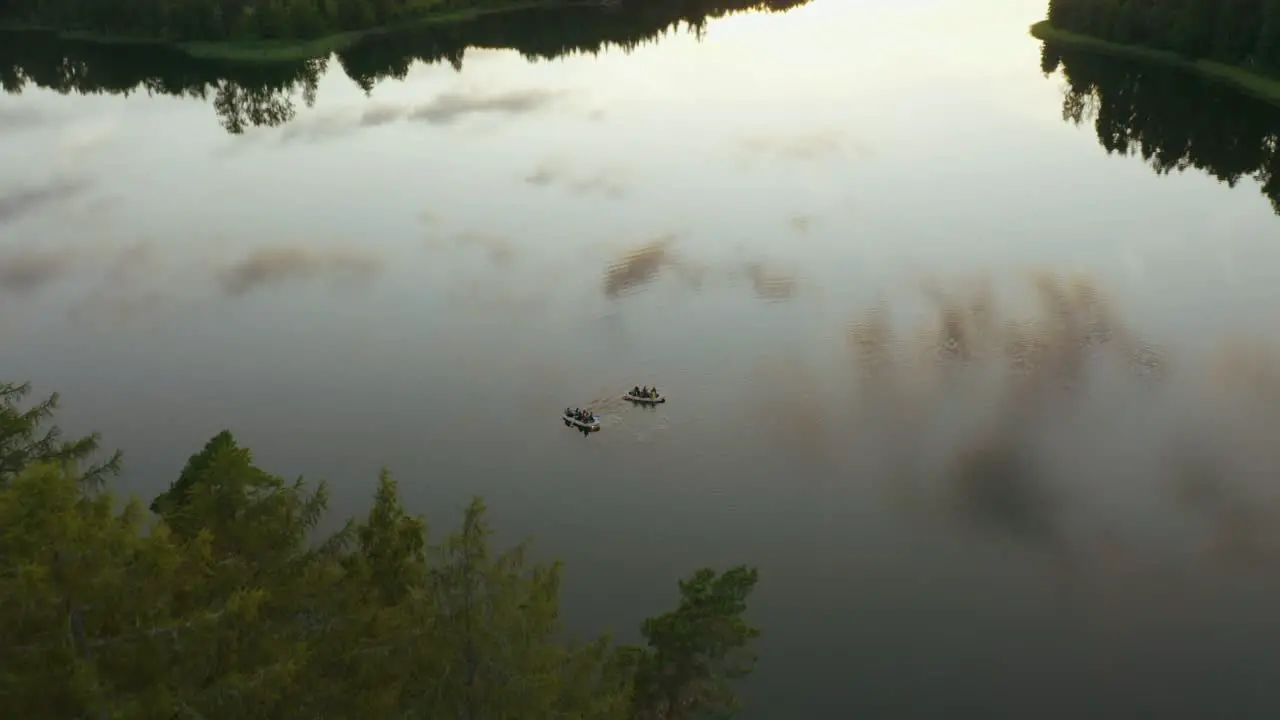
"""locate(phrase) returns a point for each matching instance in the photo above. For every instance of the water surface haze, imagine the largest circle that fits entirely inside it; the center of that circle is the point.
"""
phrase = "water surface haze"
(990, 403)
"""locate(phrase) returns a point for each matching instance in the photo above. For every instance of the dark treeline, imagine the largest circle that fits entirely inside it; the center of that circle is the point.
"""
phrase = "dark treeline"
(263, 94)
(1240, 32)
(219, 20)
(224, 20)
(540, 34)
(244, 95)
(1173, 120)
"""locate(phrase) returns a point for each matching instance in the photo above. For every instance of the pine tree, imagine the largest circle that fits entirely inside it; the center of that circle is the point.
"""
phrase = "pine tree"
(222, 605)
(26, 439)
(87, 620)
(697, 649)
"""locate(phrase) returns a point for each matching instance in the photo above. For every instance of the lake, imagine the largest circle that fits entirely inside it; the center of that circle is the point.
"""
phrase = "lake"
(973, 363)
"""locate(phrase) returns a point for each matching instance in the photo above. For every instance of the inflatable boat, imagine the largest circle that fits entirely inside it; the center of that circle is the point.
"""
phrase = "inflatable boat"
(643, 400)
(586, 426)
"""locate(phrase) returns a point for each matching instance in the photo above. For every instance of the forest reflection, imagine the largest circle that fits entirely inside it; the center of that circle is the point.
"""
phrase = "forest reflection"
(260, 94)
(1061, 429)
(1173, 119)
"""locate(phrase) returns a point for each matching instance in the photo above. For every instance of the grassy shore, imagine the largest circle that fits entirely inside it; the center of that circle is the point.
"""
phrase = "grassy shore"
(269, 51)
(1261, 86)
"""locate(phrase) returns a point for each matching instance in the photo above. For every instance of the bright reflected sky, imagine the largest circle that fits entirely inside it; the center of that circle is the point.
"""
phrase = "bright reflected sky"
(916, 117)
(854, 145)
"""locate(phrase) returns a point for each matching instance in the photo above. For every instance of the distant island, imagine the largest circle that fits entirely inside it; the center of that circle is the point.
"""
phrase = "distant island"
(1237, 42)
(266, 30)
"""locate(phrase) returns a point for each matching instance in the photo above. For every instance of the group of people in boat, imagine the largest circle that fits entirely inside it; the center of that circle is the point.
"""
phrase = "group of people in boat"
(588, 417)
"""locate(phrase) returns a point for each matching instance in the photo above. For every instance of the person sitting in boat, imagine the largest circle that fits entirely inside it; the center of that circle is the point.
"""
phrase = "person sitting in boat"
(653, 392)
(636, 391)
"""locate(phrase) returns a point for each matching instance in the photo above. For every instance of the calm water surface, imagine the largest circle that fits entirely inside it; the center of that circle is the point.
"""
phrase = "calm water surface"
(1055, 499)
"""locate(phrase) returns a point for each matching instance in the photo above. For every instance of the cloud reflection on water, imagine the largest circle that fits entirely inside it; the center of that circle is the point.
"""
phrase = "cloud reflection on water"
(17, 202)
(642, 265)
(818, 145)
(638, 267)
(1056, 428)
(801, 223)
(109, 284)
(26, 270)
(552, 173)
(274, 265)
(447, 108)
(771, 284)
(21, 117)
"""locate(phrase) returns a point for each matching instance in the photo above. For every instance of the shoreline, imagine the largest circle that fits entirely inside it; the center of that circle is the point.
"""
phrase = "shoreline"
(272, 51)
(1262, 87)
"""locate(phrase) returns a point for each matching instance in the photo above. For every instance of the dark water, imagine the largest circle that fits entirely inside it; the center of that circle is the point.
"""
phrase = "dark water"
(991, 408)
